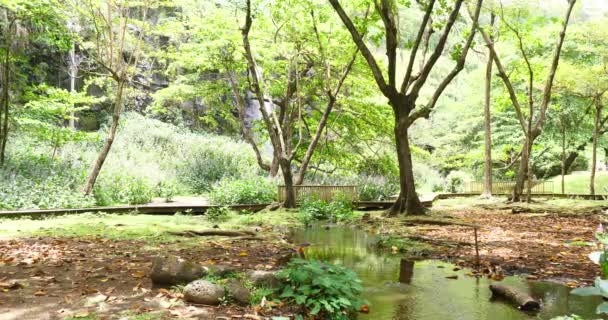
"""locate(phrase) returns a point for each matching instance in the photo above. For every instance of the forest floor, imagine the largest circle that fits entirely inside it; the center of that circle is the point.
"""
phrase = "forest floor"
(547, 240)
(95, 266)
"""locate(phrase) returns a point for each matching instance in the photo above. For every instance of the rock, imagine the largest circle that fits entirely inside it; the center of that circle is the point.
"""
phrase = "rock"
(173, 270)
(221, 270)
(266, 279)
(238, 292)
(204, 292)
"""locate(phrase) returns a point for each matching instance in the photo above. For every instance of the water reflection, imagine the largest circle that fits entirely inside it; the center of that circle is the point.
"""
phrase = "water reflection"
(401, 289)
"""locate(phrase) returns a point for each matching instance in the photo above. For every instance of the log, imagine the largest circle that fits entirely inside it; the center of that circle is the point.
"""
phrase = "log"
(522, 300)
(214, 232)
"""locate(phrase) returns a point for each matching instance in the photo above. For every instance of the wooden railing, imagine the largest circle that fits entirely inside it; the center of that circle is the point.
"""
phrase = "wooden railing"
(326, 193)
(506, 187)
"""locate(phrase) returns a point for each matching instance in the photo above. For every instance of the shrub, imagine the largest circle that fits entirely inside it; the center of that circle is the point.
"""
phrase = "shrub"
(256, 190)
(376, 188)
(323, 290)
(218, 214)
(312, 209)
(166, 190)
(454, 182)
(52, 192)
(122, 189)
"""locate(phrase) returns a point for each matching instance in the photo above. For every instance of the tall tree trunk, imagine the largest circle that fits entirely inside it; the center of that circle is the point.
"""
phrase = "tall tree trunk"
(596, 129)
(5, 103)
(103, 154)
(73, 74)
(522, 172)
(290, 195)
(487, 182)
(408, 201)
(563, 159)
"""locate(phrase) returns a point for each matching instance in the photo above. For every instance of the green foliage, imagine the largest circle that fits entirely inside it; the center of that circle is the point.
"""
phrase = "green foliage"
(260, 294)
(376, 188)
(323, 290)
(570, 317)
(218, 214)
(455, 181)
(30, 180)
(123, 189)
(166, 190)
(147, 160)
(253, 190)
(338, 210)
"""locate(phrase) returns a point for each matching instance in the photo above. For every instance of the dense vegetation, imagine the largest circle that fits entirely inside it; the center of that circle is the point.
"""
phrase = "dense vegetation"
(164, 99)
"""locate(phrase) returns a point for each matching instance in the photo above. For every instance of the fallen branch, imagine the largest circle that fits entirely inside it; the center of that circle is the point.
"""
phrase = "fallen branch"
(213, 232)
(440, 241)
(521, 299)
(418, 221)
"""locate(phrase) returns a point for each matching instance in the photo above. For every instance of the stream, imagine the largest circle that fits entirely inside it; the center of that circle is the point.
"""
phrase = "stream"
(406, 290)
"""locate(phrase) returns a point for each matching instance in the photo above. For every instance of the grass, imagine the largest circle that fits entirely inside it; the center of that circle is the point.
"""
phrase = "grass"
(153, 229)
(578, 183)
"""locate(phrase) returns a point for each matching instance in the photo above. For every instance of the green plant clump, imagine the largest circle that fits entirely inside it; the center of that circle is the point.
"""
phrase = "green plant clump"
(218, 214)
(322, 290)
(255, 190)
(338, 210)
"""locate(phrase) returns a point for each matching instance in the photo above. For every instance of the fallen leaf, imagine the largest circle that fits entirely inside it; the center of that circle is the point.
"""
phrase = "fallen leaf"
(40, 293)
(138, 274)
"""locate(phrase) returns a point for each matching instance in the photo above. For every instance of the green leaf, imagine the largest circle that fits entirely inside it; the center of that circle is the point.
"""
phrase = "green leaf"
(602, 285)
(316, 308)
(602, 308)
(586, 291)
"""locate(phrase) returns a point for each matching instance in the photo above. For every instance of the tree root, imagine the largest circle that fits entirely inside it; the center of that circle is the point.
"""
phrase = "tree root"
(214, 232)
(440, 242)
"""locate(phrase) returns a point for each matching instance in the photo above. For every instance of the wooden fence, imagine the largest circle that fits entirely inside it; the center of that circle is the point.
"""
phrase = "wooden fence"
(326, 193)
(506, 187)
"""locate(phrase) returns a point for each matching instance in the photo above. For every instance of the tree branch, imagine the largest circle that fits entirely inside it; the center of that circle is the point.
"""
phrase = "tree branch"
(426, 70)
(421, 31)
(426, 110)
(367, 54)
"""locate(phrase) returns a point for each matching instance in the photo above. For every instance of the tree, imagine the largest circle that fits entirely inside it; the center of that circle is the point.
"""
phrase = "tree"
(115, 48)
(283, 117)
(403, 98)
(23, 22)
(532, 124)
(487, 182)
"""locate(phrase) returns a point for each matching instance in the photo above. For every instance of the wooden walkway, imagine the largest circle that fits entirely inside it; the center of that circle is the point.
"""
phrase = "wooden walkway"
(159, 209)
(170, 209)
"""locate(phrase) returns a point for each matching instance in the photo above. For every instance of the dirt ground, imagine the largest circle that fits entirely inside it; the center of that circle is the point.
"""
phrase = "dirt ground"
(96, 278)
(538, 246)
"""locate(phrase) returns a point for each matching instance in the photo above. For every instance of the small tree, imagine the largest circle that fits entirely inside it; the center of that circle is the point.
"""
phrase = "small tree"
(21, 23)
(115, 48)
(403, 98)
(532, 123)
(284, 118)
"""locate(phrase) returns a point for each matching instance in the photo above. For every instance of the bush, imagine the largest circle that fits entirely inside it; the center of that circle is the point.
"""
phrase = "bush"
(122, 189)
(323, 290)
(211, 166)
(376, 188)
(219, 214)
(312, 209)
(53, 192)
(166, 190)
(256, 190)
(454, 182)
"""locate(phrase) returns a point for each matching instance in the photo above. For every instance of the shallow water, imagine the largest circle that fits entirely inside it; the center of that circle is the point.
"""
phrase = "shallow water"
(405, 290)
